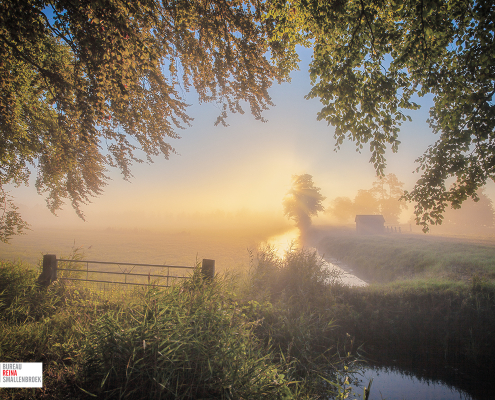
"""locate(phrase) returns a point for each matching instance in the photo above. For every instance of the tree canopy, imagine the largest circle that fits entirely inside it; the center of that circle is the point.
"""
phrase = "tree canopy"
(303, 201)
(372, 58)
(90, 85)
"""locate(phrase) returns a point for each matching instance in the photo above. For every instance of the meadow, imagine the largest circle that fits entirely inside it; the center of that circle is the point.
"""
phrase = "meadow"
(229, 248)
(392, 257)
(270, 328)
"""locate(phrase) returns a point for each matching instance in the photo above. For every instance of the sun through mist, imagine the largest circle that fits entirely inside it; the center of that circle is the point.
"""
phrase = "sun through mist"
(285, 242)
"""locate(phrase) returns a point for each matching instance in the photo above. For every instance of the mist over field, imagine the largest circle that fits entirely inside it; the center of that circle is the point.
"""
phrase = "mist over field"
(132, 232)
(246, 199)
(177, 240)
(331, 274)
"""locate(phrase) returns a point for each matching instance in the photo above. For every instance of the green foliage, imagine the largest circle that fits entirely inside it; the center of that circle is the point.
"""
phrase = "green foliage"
(20, 297)
(11, 222)
(284, 334)
(303, 201)
(192, 341)
(383, 198)
(371, 58)
(199, 339)
(299, 278)
(88, 86)
(43, 325)
(293, 302)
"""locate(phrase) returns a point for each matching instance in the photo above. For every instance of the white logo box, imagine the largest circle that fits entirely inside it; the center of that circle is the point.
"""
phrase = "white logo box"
(21, 375)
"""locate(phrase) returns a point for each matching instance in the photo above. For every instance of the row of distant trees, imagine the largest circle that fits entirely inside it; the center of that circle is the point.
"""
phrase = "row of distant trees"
(304, 201)
(382, 198)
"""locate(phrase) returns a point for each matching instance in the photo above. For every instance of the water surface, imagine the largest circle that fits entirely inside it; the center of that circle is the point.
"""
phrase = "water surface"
(393, 384)
(291, 240)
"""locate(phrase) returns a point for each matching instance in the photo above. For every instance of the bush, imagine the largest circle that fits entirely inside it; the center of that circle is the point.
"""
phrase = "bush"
(293, 302)
(191, 341)
(301, 277)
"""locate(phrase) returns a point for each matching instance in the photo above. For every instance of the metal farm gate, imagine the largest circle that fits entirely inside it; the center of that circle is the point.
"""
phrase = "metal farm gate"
(157, 275)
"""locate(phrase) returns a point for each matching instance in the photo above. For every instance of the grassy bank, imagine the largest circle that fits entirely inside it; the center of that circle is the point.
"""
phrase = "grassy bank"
(223, 339)
(435, 323)
(281, 331)
(431, 305)
(386, 258)
(434, 329)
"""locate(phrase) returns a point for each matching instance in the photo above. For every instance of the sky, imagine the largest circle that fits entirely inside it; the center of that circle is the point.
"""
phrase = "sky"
(244, 168)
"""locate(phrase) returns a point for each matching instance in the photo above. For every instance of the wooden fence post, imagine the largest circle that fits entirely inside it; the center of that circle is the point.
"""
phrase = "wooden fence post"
(49, 273)
(208, 268)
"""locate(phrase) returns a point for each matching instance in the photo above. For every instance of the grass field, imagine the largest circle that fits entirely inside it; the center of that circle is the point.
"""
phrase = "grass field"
(273, 330)
(228, 248)
(385, 258)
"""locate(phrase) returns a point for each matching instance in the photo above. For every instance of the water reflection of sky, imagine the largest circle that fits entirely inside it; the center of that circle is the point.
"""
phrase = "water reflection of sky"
(290, 239)
(387, 384)
(393, 385)
(285, 241)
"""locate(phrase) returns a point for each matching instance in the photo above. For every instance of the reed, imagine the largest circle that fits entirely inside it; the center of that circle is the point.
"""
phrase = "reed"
(292, 299)
(287, 329)
(194, 340)
(191, 341)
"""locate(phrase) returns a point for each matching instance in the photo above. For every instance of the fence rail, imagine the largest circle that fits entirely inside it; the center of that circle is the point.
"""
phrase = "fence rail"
(50, 269)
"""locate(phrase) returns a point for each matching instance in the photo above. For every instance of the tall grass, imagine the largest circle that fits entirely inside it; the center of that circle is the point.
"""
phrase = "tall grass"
(222, 339)
(285, 330)
(293, 300)
(191, 341)
(432, 325)
(385, 258)
(42, 325)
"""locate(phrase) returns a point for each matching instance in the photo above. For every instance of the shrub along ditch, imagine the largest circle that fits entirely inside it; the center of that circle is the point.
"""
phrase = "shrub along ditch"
(288, 329)
(194, 340)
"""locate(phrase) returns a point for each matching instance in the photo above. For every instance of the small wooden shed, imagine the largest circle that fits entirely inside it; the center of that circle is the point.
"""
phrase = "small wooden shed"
(370, 224)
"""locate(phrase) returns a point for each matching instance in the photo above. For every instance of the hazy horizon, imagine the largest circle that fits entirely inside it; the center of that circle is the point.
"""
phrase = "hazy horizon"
(243, 169)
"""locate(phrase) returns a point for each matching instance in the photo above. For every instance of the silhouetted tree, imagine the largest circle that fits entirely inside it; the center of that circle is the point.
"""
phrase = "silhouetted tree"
(388, 190)
(342, 208)
(471, 217)
(365, 202)
(382, 198)
(302, 201)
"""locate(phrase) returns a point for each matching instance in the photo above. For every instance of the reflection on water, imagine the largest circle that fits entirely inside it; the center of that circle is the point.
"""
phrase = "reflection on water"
(391, 384)
(347, 277)
(290, 239)
(282, 243)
